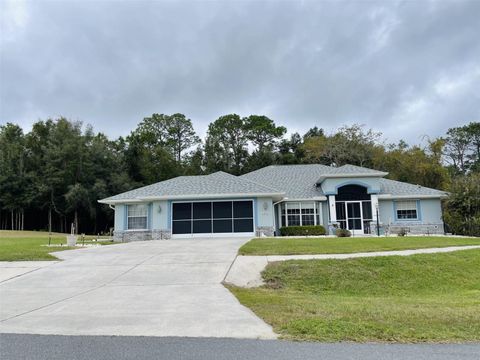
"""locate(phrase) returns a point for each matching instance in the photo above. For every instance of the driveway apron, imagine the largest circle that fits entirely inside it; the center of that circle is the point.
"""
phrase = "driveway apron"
(151, 288)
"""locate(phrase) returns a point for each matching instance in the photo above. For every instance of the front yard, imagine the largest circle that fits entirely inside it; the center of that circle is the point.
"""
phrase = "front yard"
(419, 298)
(331, 245)
(31, 245)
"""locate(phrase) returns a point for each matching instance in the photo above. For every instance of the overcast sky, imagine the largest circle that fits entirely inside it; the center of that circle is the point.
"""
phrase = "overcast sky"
(404, 68)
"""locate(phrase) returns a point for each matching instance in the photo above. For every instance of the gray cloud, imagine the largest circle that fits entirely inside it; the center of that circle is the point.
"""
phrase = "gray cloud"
(404, 68)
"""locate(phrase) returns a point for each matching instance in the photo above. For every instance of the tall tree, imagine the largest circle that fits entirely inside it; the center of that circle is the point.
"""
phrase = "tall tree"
(226, 144)
(314, 132)
(262, 131)
(14, 184)
(350, 145)
(181, 135)
(458, 142)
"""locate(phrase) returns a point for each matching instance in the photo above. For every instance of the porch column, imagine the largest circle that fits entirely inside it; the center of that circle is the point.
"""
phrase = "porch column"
(333, 209)
(374, 200)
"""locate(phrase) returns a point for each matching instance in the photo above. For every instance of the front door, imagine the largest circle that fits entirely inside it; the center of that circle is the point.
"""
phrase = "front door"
(354, 217)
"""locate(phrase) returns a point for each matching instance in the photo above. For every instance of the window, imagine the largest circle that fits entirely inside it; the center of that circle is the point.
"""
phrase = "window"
(406, 210)
(137, 216)
(293, 214)
(299, 214)
(308, 214)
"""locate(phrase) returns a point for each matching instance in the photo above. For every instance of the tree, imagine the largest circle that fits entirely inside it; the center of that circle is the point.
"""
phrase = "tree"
(15, 192)
(181, 135)
(462, 208)
(313, 132)
(416, 165)
(350, 145)
(226, 144)
(291, 151)
(262, 131)
(173, 132)
(77, 198)
(473, 158)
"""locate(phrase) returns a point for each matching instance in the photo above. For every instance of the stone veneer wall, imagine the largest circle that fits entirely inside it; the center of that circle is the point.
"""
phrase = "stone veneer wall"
(265, 231)
(128, 236)
(416, 229)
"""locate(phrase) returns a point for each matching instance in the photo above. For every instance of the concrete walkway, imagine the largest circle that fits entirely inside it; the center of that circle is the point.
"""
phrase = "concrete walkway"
(246, 270)
(152, 288)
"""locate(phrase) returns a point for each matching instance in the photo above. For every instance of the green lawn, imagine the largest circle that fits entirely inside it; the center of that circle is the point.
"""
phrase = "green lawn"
(419, 298)
(331, 245)
(27, 245)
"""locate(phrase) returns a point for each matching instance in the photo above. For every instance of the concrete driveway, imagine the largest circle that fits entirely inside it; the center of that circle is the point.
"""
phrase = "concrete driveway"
(154, 288)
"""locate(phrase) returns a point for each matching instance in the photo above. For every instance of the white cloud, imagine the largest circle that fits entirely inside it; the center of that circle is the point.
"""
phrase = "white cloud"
(13, 20)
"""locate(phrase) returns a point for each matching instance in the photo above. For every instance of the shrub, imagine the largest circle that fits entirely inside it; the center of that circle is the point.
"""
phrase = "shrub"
(302, 230)
(343, 233)
(402, 232)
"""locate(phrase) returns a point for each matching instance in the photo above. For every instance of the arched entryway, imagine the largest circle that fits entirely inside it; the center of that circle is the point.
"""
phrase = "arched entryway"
(353, 207)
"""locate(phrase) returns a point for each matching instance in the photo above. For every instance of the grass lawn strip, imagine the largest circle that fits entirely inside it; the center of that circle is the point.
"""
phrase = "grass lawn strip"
(420, 298)
(31, 245)
(329, 245)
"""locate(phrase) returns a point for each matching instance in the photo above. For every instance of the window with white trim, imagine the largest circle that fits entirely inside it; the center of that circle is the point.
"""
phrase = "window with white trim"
(299, 213)
(137, 216)
(406, 210)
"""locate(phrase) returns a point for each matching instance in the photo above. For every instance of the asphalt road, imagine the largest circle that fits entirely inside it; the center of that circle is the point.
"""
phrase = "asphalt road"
(51, 347)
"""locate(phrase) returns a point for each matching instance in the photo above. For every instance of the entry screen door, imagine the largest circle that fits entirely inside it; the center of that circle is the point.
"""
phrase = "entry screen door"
(354, 215)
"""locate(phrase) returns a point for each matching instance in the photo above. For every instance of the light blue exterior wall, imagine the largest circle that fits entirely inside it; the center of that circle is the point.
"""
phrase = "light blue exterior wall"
(385, 211)
(264, 212)
(429, 212)
(330, 186)
(120, 214)
(160, 212)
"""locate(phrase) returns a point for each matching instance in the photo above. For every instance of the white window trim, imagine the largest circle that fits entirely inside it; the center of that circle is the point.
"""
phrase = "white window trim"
(414, 202)
(300, 207)
(128, 217)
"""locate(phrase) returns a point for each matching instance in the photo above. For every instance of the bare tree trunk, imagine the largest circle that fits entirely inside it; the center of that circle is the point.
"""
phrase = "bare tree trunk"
(49, 219)
(76, 222)
(11, 211)
(23, 219)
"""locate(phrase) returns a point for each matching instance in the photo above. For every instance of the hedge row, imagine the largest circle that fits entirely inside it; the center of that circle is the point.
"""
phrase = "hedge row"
(302, 230)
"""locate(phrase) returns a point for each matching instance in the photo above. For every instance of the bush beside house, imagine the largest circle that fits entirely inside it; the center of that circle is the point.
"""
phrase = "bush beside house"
(302, 230)
(343, 233)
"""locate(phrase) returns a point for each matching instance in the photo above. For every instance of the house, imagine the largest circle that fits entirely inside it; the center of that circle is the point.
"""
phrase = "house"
(262, 201)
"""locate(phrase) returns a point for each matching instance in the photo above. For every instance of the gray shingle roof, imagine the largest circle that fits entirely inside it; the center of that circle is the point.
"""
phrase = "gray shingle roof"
(298, 181)
(398, 188)
(352, 170)
(214, 184)
(292, 181)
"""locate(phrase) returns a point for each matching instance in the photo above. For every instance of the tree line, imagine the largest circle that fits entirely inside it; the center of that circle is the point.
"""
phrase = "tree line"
(54, 174)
